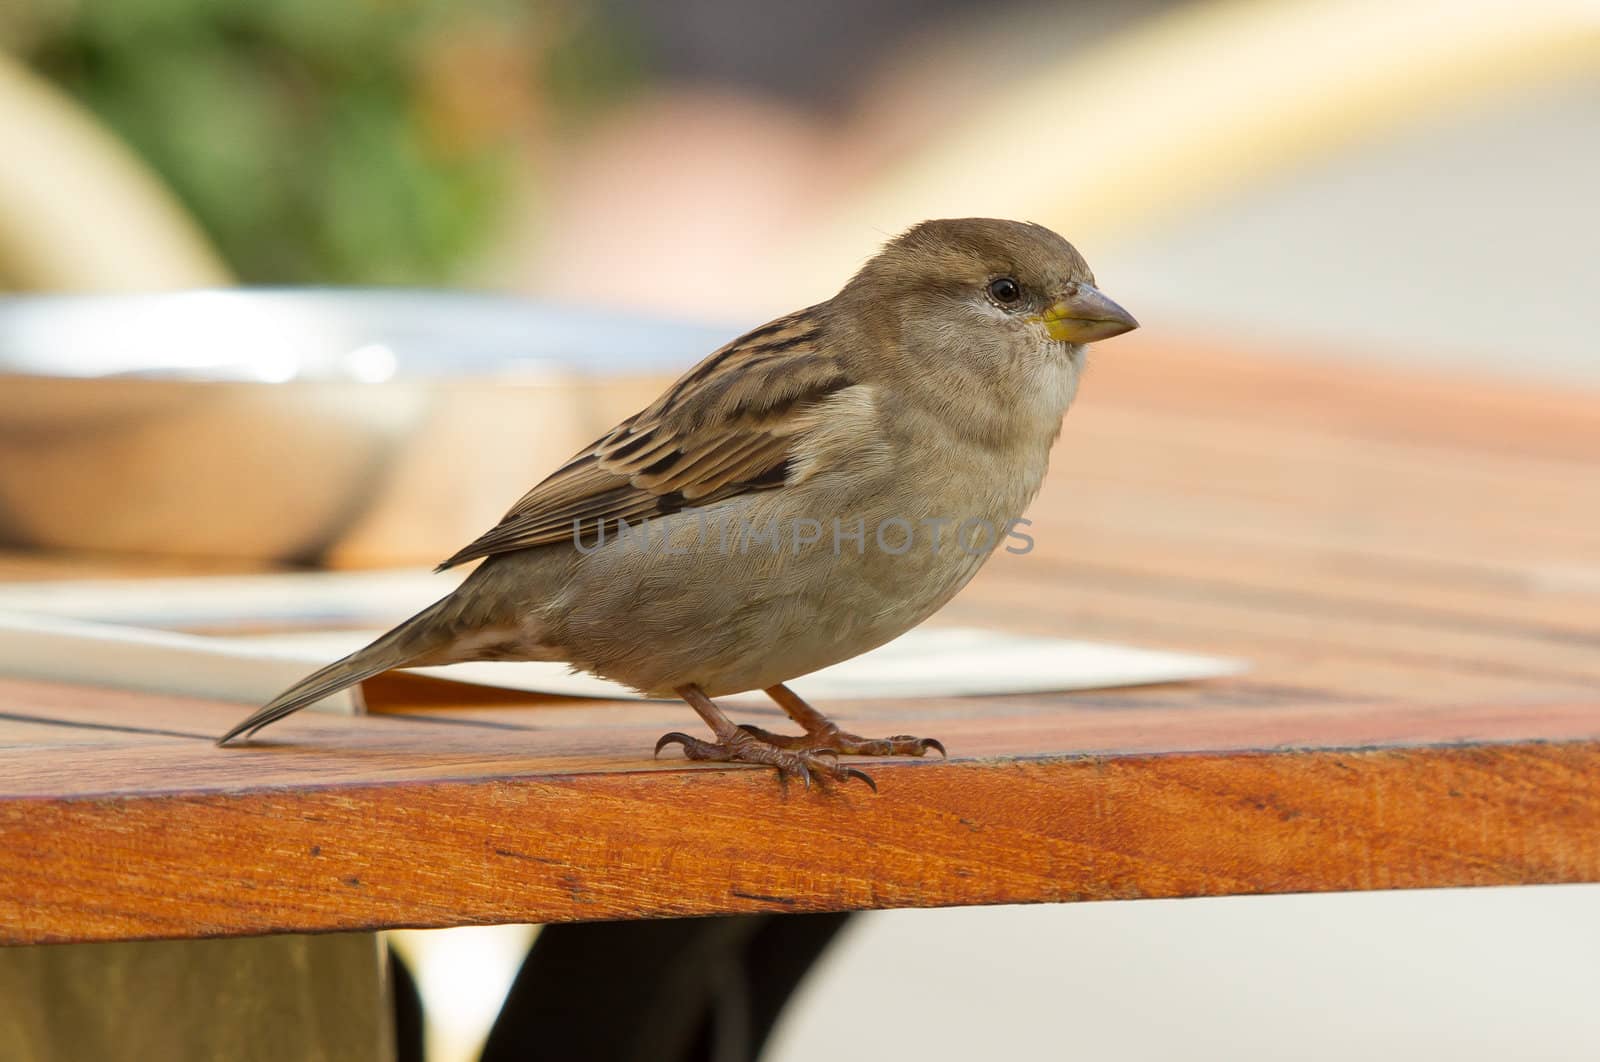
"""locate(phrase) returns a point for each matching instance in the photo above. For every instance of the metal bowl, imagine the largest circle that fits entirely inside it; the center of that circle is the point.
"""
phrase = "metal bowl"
(331, 426)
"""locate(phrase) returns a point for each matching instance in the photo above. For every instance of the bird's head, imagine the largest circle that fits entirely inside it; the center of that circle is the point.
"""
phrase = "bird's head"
(981, 283)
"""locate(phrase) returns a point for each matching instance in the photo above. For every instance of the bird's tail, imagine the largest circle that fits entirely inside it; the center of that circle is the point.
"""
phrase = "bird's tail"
(421, 636)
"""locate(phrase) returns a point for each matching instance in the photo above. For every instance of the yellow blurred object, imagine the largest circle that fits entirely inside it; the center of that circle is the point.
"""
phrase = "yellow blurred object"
(78, 212)
(1203, 99)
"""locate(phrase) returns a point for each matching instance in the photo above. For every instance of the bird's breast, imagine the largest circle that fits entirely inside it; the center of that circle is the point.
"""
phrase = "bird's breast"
(881, 529)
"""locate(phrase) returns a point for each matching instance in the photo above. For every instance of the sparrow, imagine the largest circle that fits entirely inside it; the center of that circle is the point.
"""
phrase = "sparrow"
(810, 491)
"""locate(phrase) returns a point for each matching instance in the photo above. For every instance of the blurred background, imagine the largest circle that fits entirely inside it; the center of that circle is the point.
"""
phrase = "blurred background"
(1410, 181)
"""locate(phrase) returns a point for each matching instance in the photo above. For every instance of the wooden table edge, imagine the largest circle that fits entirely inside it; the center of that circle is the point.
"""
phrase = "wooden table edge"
(715, 840)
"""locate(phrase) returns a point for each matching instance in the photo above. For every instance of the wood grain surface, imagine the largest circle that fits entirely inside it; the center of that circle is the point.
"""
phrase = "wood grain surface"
(1411, 564)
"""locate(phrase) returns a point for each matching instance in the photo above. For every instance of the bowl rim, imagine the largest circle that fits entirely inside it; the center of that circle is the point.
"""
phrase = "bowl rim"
(281, 334)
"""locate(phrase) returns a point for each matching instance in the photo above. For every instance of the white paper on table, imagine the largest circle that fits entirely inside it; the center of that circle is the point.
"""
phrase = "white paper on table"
(58, 649)
(61, 631)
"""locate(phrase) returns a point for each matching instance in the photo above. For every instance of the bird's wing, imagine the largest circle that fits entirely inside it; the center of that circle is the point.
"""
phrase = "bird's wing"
(729, 426)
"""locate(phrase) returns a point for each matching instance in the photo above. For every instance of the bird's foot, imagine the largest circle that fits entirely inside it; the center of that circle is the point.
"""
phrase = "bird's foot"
(829, 738)
(745, 747)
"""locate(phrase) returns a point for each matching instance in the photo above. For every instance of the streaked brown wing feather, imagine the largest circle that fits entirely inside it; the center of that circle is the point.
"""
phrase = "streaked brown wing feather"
(726, 427)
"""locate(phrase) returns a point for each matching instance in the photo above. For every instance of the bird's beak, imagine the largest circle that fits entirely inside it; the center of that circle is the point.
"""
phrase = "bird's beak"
(1086, 316)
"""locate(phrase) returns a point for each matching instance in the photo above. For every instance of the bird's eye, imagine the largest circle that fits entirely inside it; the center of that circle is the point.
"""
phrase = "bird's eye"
(1005, 291)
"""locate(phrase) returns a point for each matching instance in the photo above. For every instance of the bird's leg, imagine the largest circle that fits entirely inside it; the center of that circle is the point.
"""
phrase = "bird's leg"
(735, 744)
(823, 735)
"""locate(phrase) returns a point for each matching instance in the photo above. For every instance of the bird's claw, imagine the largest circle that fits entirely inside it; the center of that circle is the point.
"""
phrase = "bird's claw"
(678, 736)
(749, 747)
(831, 741)
(851, 772)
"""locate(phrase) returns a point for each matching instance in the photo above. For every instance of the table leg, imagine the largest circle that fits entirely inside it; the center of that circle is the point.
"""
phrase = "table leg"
(667, 990)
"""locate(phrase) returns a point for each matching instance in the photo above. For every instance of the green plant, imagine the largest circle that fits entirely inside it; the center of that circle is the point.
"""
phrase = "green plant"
(342, 141)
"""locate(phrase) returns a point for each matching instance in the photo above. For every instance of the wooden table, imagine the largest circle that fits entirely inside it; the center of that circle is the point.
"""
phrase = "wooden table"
(1411, 563)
